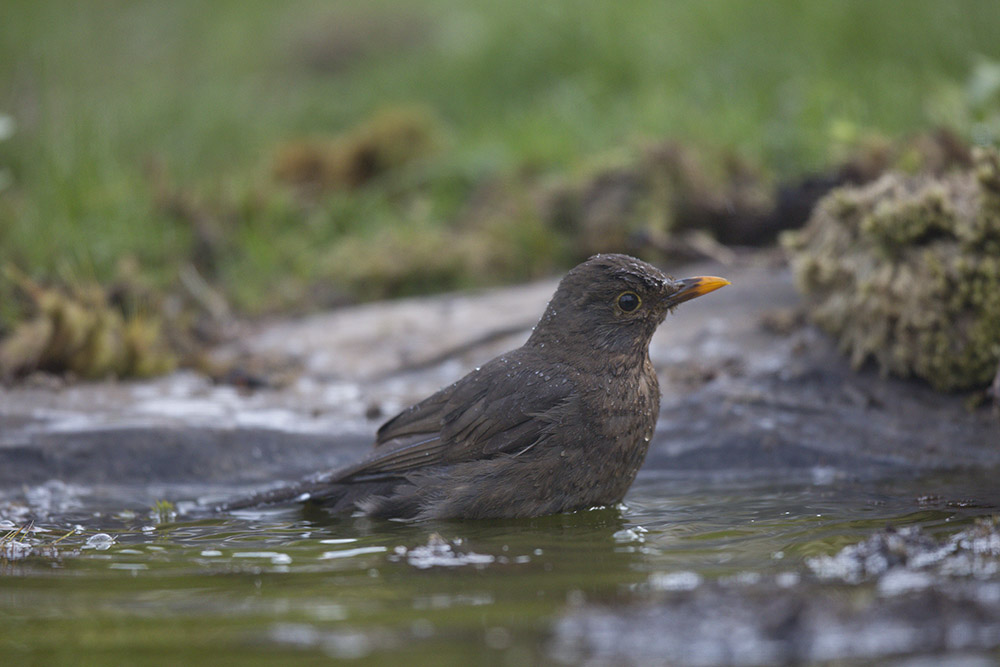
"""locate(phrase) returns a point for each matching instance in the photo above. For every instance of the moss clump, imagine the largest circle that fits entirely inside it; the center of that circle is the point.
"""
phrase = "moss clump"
(387, 141)
(668, 190)
(425, 258)
(906, 272)
(80, 331)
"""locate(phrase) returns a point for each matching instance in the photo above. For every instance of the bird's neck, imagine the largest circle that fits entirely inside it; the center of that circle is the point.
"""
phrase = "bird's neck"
(595, 349)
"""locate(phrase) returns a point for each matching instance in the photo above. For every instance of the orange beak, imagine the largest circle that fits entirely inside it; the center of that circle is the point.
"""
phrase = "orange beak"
(690, 288)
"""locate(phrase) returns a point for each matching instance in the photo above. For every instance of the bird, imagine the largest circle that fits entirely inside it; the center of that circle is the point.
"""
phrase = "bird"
(560, 424)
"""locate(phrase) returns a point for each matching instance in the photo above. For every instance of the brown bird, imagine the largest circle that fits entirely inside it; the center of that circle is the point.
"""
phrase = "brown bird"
(562, 423)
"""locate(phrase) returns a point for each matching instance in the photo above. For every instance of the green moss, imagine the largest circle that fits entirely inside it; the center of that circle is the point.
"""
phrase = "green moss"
(391, 139)
(906, 272)
(79, 331)
(907, 220)
(421, 258)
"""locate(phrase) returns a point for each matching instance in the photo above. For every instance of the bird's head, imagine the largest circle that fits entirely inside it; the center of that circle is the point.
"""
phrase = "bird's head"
(615, 303)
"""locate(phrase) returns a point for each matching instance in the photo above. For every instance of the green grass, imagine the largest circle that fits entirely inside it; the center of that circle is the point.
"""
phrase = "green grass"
(105, 94)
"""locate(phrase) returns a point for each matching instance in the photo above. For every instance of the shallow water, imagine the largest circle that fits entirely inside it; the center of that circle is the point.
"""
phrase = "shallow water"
(282, 584)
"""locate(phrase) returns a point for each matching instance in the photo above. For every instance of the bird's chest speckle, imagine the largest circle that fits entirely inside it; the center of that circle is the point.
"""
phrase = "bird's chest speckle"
(621, 412)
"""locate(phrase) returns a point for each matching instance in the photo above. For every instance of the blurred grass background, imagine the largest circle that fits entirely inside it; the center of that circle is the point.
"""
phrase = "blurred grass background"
(138, 134)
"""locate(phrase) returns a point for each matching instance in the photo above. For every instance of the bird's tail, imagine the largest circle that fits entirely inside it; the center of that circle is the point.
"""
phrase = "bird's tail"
(322, 488)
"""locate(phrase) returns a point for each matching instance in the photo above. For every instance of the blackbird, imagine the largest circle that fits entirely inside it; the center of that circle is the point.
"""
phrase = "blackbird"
(562, 423)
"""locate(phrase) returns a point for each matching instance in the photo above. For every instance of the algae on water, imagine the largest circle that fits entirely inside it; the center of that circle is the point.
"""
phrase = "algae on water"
(905, 271)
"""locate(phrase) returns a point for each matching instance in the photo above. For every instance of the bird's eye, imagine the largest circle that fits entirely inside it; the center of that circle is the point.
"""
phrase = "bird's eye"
(629, 301)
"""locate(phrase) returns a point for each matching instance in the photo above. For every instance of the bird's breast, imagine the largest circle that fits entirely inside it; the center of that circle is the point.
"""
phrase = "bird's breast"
(622, 411)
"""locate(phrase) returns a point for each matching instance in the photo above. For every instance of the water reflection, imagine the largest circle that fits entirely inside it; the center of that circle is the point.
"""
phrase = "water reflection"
(304, 582)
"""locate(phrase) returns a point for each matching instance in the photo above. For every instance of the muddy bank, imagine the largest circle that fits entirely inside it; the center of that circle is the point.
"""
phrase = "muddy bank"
(746, 387)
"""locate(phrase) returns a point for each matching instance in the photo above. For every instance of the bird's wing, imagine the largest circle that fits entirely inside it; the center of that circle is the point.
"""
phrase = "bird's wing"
(492, 411)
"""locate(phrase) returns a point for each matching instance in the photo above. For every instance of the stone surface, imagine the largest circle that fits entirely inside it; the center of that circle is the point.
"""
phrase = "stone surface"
(806, 624)
(746, 387)
(918, 595)
(748, 390)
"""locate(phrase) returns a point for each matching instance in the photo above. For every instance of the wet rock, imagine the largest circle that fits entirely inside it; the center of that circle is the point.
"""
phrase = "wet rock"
(739, 394)
(929, 596)
(908, 557)
(717, 624)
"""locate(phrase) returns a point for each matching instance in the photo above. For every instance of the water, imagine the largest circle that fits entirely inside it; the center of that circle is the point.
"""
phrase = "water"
(258, 587)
